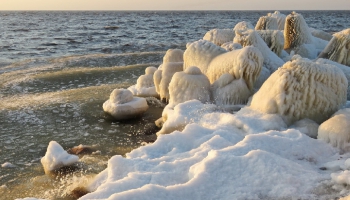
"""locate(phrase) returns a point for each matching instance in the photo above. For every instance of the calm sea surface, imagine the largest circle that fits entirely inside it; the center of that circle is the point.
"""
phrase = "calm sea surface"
(57, 69)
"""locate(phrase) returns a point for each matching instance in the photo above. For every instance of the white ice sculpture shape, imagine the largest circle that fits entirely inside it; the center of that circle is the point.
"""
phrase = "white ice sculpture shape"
(123, 105)
(302, 89)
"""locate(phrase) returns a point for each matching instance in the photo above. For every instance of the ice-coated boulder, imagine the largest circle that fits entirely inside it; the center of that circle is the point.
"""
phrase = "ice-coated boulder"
(338, 49)
(266, 23)
(243, 26)
(281, 19)
(200, 53)
(56, 158)
(187, 85)
(321, 34)
(219, 36)
(123, 105)
(168, 70)
(251, 38)
(306, 126)
(229, 46)
(244, 63)
(173, 55)
(274, 40)
(336, 130)
(302, 89)
(228, 91)
(145, 85)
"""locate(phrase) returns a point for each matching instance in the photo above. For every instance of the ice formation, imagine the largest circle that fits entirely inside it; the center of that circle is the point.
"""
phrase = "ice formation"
(123, 105)
(200, 54)
(344, 68)
(187, 85)
(281, 19)
(274, 40)
(219, 36)
(243, 26)
(298, 37)
(302, 89)
(244, 63)
(145, 85)
(266, 23)
(228, 91)
(56, 157)
(251, 38)
(338, 49)
(336, 130)
(306, 126)
(173, 55)
(321, 34)
(157, 77)
(8, 165)
(229, 46)
(168, 70)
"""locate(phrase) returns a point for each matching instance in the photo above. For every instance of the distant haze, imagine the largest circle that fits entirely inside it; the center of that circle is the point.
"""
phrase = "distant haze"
(174, 5)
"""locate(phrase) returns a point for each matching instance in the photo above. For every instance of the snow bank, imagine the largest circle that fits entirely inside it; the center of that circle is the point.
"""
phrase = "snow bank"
(145, 85)
(251, 38)
(212, 160)
(187, 85)
(219, 36)
(122, 105)
(336, 130)
(56, 157)
(302, 89)
(266, 23)
(338, 48)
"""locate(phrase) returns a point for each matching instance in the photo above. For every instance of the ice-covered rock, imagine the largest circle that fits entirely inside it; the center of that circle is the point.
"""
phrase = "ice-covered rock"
(8, 165)
(306, 126)
(336, 130)
(274, 40)
(145, 85)
(302, 89)
(187, 85)
(219, 36)
(243, 26)
(200, 53)
(251, 38)
(168, 70)
(228, 91)
(338, 49)
(266, 23)
(56, 158)
(243, 64)
(173, 55)
(229, 46)
(281, 19)
(123, 105)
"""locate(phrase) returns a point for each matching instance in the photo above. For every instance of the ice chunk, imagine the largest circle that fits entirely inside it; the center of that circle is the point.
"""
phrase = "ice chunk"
(281, 19)
(173, 55)
(219, 36)
(168, 71)
(266, 23)
(56, 157)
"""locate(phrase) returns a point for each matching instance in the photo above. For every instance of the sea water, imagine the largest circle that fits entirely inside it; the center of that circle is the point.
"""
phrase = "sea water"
(57, 69)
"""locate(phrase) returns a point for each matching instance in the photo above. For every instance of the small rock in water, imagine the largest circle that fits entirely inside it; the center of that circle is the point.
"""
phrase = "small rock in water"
(150, 129)
(81, 149)
(8, 165)
(79, 192)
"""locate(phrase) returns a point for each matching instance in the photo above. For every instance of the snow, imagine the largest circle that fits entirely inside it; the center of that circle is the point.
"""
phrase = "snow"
(123, 105)
(56, 157)
(302, 89)
(219, 36)
(335, 130)
(218, 156)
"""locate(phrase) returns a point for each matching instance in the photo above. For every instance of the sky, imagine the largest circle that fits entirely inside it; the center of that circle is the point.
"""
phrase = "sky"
(174, 4)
